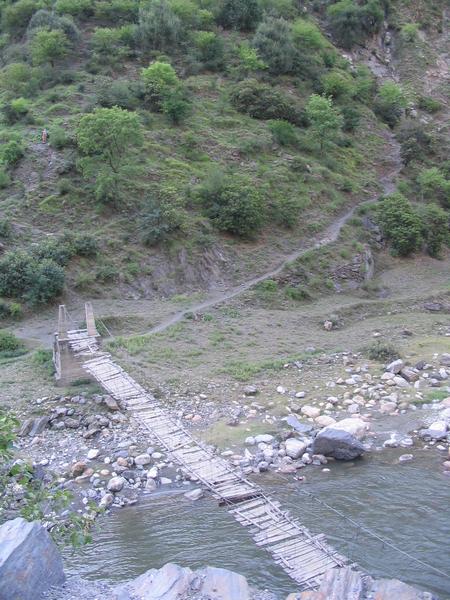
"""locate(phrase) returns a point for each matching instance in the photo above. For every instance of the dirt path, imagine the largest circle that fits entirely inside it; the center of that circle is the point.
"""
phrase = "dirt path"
(330, 235)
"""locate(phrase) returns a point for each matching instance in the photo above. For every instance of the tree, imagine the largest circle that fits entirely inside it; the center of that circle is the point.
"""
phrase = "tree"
(390, 103)
(106, 137)
(399, 223)
(159, 27)
(239, 14)
(274, 43)
(351, 21)
(16, 16)
(325, 119)
(262, 101)
(49, 46)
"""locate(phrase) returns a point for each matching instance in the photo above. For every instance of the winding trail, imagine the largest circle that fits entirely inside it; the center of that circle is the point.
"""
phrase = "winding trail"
(330, 235)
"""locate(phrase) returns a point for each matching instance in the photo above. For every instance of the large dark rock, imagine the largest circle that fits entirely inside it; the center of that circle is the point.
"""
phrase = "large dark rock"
(29, 561)
(337, 443)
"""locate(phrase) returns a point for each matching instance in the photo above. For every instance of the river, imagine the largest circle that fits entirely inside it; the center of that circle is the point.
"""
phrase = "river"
(407, 504)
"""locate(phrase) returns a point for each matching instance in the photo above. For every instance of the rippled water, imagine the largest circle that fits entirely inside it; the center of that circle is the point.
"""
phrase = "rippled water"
(408, 504)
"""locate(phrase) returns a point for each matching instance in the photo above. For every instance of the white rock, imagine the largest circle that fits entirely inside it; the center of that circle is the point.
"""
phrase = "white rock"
(295, 448)
(153, 473)
(396, 366)
(310, 411)
(115, 484)
(143, 459)
(354, 426)
(324, 420)
(400, 382)
(165, 481)
(281, 389)
(106, 501)
(300, 394)
(405, 457)
(93, 453)
(194, 494)
(250, 441)
(265, 438)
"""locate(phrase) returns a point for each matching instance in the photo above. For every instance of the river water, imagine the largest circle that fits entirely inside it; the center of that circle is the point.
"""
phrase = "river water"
(407, 504)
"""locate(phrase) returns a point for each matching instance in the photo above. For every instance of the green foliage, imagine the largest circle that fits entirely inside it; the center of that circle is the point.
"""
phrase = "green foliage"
(83, 244)
(338, 84)
(9, 342)
(159, 27)
(233, 204)
(382, 352)
(435, 231)
(434, 186)
(162, 217)
(274, 43)
(390, 103)
(159, 80)
(49, 47)
(106, 137)
(19, 79)
(117, 92)
(58, 137)
(262, 101)
(283, 132)
(26, 277)
(15, 110)
(408, 32)
(175, 105)
(399, 223)
(82, 9)
(11, 152)
(15, 17)
(250, 60)
(210, 49)
(415, 142)
(5, 179)
(239, 14)
(44, 19)
(365, 84)
(351, 22)
(105, 42)
(429, 104)
(116, 11)
(325, 119)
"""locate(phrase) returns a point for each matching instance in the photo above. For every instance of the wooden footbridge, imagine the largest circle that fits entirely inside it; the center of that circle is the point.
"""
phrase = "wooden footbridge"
(304, 557)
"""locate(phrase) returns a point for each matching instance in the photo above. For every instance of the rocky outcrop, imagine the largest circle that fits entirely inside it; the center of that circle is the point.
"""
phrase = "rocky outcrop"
(173, 582)
(29, 561)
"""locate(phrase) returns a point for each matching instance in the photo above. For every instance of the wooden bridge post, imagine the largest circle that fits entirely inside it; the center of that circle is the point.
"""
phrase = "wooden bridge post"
(90, 321)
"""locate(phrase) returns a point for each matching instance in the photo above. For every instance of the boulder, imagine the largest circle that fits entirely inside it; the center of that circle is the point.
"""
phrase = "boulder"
(356, 427)
(395, 366)
(390, 589)
(29, 561)
(250, 390)
(324, 420)
(143, 459)
(295, 448)
(115, 484)
(339, 584)
(337, 443)
(409, 374)
(194, 494)
(265, 438)
(445, 360)
(310, 411)
(111, 403)
(297, 425)
(34, 426)
(436, 431)
(219, 584)
(78, 468)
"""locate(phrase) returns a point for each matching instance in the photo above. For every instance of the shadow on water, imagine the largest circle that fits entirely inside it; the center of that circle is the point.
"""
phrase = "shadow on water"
(408, 504)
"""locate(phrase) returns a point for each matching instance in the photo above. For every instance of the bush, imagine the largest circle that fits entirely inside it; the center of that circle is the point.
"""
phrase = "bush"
(106, 42)
(58, 138)
(408, 32)
(210, 49)
(250, 60)
(435, 231)
(274, 42)
(159, 27)
(282, 132)
(382, 352)
(338, 84)
(298, 293)
(399, 223)
(434, 186)
(9, 342)
(44, 19)
(162, 217)
(15, 17)
(414, 140)
(324, 118)
(352, 116)
(159, 80)
(117, 11)
(175, 105)
(390, 103)
(429, 104)
(5, 179)
(239, 14)
(19, 79)
(15, 110)
(233, 204)
(49, 47)
(84, 245)
(11, 152)
(47, 283)
(55, 249)
(350, 22)
(83, 9)
(261, 101)
(117, 92)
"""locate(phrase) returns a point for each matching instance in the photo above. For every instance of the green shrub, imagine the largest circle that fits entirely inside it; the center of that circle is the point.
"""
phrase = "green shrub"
(5, 179)
(365, 84)
(44, 19)
(282, 132)
(19, 79)
(382, 352)
(117, 92)
(48, 47)
(159, 80)
(107, 273)
(159, 27)
(390, 103)
(16, 16)
(434, 186)
(55, 249)
(105, 42)
(409, 31)
(250, 60)
(352, 22)
(210, 49)
(298, 293)
(261, 101)
(9, 342)
(338, 85)
(352, 117)
(162, 217)
(58, 138)
(274, 43)
(116, 11)
(324, 118)
(175, 105)
(47, 283)
(84, 244)
(415, 142)
(11, 152)
(239, 14)
(435, 228)
(285, 210)
(429, 104)
(15, 110)
(399, 223)
(83, 9)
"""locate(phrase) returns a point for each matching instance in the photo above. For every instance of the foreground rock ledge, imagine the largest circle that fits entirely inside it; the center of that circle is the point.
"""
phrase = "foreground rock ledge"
(29, 561)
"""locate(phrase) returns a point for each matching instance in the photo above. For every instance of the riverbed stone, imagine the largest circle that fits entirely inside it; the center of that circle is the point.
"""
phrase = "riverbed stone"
(337, 584)
(395, 366)
(115, 484)
(390, 589)
(219, 584)
(143, 459)
(338, 444)
(436, 431)
(194, 494)
(29, 561)
(354, 426)
(310, 411)
(264, 438)
(106, 501)
(295, 448)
